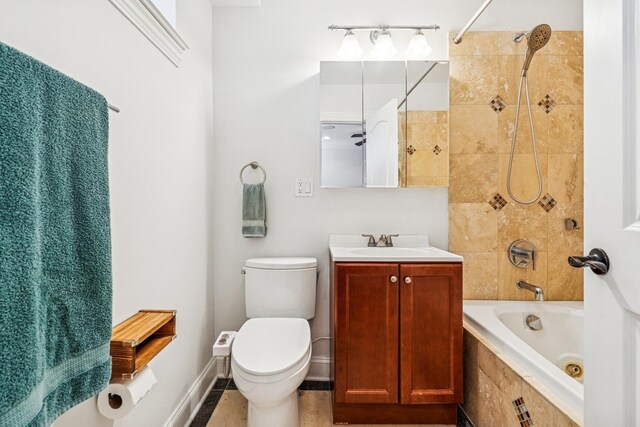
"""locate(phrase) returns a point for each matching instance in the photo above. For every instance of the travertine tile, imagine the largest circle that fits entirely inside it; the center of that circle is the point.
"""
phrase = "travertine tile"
(424, 117)
(506, 129)
(472, 227)
(427, 132)
(524, 179)
(475, 43)
(566, 171)
(428, 135)
(427, 181)
(231, 410)
(315, 409)
(480, 275)
(510, 71)
(474, 129)
(424, 163)
(496, 410)
(527, 222)
(473, 79)
(473, 177)
(564, 283)
(566, 43)
(543, 413)
(509, 275)
(470, 358)
(566, 129)
(499, 373)
(506, 45)
(566, 79)
(561, 239)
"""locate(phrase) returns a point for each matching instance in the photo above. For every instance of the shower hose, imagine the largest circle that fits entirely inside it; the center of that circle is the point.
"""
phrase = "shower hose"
(523, 80)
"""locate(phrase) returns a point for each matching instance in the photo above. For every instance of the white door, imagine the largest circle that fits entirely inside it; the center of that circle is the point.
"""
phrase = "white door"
(612, 213)
(382, 146)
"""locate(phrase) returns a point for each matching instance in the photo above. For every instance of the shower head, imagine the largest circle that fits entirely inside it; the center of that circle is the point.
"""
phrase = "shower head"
(536, 40)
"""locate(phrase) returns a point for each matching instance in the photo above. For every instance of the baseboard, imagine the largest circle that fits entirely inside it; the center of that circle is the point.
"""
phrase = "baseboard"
(320, 369)
(189, 406)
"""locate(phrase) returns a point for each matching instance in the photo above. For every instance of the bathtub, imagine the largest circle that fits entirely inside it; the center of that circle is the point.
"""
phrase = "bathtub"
(543, 355)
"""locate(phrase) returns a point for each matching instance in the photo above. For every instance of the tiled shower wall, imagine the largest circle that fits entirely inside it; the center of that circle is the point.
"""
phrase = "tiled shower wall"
(483, 219)
(427, 149)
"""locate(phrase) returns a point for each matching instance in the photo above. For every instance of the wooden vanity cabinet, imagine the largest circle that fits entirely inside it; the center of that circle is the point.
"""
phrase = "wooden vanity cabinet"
(397, 351)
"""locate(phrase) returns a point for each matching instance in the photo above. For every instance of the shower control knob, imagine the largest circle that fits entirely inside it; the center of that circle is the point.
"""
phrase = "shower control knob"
(394, 279)
(407, 280)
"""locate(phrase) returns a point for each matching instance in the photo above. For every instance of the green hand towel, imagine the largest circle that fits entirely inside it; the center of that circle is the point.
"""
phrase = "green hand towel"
(55, 251)
(254, 211)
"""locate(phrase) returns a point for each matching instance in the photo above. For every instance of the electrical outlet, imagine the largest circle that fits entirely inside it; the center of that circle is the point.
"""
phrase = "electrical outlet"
(303, 187)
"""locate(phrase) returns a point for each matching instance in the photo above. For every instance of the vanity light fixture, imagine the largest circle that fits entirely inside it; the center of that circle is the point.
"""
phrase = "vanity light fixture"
(419, 47)
(380, 36)
(350, 48)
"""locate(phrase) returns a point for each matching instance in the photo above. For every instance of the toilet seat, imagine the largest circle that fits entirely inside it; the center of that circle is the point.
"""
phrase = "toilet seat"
(266, 348)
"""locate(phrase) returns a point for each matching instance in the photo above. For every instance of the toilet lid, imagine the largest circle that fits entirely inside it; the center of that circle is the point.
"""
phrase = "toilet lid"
(288, 263)
(268, 346)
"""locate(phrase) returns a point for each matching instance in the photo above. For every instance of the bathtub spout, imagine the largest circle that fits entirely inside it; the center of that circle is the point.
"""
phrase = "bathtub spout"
(537, 290)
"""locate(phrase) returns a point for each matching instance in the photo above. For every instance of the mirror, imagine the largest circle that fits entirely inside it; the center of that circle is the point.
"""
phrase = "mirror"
(384, 124)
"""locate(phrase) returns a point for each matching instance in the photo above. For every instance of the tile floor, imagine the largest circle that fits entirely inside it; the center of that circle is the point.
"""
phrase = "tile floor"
(225, 406)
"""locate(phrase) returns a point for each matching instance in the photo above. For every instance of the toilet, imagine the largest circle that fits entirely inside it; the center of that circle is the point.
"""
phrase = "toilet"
(271, 353)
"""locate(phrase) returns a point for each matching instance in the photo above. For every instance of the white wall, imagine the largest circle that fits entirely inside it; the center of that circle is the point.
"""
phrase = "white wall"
(160, 164)
(266, 108)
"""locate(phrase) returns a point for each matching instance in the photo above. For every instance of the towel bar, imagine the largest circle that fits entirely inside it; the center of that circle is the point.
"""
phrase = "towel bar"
(254, 165)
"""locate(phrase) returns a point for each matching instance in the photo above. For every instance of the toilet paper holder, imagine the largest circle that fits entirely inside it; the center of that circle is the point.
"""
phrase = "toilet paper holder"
(121, 396)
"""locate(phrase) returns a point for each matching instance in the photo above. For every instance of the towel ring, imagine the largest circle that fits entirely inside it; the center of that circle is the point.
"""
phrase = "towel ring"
(254, 165)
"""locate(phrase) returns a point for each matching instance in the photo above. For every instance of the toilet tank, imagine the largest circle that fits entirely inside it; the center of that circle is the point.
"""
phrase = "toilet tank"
(280, 287)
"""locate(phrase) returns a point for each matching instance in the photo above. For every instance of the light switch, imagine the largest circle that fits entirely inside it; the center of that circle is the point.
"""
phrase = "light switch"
(304, 187)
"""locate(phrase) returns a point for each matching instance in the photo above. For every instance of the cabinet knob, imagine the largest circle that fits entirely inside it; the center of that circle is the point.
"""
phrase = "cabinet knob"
(394, 279)
(407, 280)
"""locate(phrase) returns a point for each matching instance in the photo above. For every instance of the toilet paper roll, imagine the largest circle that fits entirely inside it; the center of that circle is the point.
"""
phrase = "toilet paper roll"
(121, 396)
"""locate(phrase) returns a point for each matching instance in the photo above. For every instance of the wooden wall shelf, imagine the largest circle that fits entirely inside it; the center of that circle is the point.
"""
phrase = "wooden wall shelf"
(139, 339)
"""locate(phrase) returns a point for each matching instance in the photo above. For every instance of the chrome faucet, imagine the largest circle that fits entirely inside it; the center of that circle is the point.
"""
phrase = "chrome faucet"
(537, 290)
(383, 241)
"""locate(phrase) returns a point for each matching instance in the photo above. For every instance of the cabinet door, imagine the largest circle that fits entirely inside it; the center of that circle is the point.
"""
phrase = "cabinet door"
(431, 333)
(366, 333)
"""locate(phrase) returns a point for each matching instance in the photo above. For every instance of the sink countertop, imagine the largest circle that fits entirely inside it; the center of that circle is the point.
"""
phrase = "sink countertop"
(406, 248)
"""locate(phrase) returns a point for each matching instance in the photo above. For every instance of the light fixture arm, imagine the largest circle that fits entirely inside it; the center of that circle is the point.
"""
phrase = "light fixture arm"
(433, 27)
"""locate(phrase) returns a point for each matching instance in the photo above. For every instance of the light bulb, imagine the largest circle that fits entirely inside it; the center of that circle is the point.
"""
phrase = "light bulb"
(350, 48)
(384, 48)
(418, 46)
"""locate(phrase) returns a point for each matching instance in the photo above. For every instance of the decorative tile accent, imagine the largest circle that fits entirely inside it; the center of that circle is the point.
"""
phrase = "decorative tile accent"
(498, 104)
(547, 202)
(497, 202)
(522, 413)
(437, 150)
(547, 104)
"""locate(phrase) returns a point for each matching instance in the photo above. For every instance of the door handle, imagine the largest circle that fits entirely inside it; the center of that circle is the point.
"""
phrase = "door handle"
(394, 279)
(597, 260)
(407, 280)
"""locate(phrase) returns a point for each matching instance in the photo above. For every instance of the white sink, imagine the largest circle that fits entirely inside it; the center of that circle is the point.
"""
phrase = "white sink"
(406, 249)
(388, 252)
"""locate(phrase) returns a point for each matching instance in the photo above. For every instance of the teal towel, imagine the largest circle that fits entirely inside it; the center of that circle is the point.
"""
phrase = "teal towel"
(55, 251)
(254, 211)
